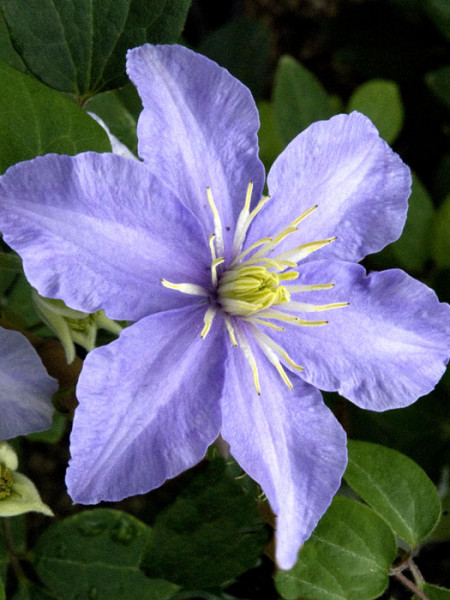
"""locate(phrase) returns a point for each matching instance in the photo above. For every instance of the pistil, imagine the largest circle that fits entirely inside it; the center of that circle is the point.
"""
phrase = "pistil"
(255, 284)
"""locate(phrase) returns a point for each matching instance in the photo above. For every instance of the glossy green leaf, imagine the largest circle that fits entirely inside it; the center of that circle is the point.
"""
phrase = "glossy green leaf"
(79, 46)
(441, 235)
(439, 12)
(298, 98)
(413, 249)
(270, 143)
(30, 591)
(435, 592)
(36, 120)
(439, 83)
(380, 100)
(242, 46)
(7, 52)
(53, 435)
(396, 488)
(96, 554)
(17, 533)
(11, 262)
(347, 557)
(209, 535)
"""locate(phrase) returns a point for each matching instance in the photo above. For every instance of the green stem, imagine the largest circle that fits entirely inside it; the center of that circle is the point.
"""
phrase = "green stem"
(418, 578)
(411, 586)
(15, 562)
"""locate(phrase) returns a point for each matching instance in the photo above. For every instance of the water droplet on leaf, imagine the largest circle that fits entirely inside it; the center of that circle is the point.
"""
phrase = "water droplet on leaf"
(124, 532)
(91, 527)
(93, 593)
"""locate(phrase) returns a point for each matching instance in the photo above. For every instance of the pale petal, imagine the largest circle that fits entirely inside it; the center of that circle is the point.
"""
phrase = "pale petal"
(287, 441)
(25, 387)
(360, 187)
(149, 406)
(198, 129)
(386, 349)
(100, 231)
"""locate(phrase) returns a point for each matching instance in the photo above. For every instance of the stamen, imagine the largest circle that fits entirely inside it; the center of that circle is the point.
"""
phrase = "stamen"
(303, 216)
(304, 307)
(270, 354)
(212, 247)
(293, 289)
(270, 343)
(207, 320)
(272, 263)
(301, 252)
(214, 264)
(265, 323)
(230, 329)
(239, 307)
(243, 216)
(218, 231)
(240, 233)
(278, 315)
(249, 249)
(291, 228)
(185, 288)
(288, 276)
(245, 347)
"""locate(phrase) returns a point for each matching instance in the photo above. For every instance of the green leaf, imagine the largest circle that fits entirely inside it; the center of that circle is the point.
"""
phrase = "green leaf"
(347, 557)
(7, 52)
(2, 591)
(11, 262)
(270, 143)
(435, 592)
(242, 46)
(79, 46)
(209, 535)
(438, 82)
(35, 120)
(441, 235)
(439, 12)
(298, 98)
(96, 554)
(30, 591)
(53, 435)
(16, 526)
(396, 488)
(380, 100)
(413, 249)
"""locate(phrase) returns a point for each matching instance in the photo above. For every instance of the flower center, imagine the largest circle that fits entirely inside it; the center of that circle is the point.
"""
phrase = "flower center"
(6, 481)
(255, 283)
(245, 290)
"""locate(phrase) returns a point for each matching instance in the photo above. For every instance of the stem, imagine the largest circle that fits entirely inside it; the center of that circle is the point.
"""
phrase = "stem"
(15, 563)
(411, 586)
(418, 578)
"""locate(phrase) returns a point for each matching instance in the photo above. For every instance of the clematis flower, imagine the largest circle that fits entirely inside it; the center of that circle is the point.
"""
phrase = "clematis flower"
(25, 387)
(244, 305)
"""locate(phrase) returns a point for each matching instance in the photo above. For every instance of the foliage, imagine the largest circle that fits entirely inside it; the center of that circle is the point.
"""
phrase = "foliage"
(208, 533)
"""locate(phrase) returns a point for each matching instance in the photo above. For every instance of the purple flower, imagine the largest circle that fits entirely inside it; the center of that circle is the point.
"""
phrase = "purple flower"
(25, 387)
(243, 305)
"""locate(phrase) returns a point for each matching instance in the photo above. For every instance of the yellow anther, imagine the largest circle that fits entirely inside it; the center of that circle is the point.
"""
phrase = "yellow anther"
(6, 481)
(305, 307)
(310, 288)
